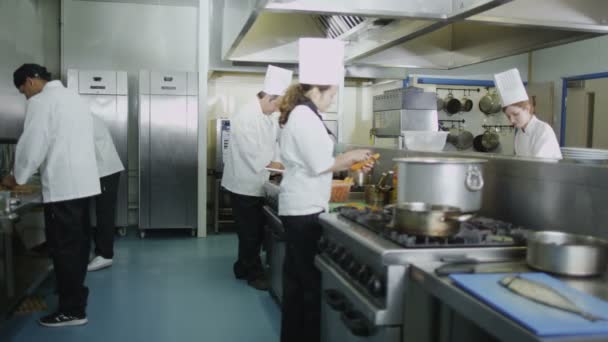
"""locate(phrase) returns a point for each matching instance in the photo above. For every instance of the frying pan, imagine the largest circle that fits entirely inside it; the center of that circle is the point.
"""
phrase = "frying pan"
(467, 104)
(452, 104)
(477, 145)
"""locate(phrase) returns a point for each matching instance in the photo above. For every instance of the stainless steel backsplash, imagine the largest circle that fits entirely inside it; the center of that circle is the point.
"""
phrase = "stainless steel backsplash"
(538, 195)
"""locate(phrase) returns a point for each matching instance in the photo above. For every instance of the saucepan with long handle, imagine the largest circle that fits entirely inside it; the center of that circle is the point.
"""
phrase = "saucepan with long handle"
(567, 254)
(423, 219)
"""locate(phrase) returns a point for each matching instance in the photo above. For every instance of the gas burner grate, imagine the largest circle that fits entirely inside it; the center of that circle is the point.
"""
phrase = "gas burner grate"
(478, 232)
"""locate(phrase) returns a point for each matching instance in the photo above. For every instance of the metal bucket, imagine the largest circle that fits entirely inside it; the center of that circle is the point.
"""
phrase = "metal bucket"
(375, 196)
(567, 254)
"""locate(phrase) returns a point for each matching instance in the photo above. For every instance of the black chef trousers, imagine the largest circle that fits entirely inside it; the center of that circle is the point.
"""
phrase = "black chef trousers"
(105, 211)
(250, 220)
(68, 234)
(301, 317)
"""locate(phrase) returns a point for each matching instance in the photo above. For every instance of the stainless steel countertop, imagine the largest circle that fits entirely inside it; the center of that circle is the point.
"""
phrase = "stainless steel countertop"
(486, 317)
(26, 202)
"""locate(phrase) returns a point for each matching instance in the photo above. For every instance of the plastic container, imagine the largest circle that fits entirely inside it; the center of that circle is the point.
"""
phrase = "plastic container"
(428, 141)
(339, 191)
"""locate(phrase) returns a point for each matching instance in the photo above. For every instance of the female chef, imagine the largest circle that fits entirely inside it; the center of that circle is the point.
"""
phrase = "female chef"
(533, 138)
(307, 153)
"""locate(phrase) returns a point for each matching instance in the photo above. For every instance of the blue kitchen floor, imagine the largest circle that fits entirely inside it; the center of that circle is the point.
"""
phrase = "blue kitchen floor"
(164, 289)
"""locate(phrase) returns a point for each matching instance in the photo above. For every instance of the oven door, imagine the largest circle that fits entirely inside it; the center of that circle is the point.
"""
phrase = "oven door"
(276, 253)
(341, 320)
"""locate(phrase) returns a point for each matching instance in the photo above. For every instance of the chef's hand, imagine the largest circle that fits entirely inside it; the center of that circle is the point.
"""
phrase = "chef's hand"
(347, 159)
(275, 165)
(9, 181)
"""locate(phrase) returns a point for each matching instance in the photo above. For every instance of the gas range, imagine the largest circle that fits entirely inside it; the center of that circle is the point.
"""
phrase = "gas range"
(366, 262)
(477, 232)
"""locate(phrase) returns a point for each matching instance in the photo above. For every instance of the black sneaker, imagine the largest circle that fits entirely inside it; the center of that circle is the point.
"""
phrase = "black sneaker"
(260, 283)
(239, 271)
(59, 319)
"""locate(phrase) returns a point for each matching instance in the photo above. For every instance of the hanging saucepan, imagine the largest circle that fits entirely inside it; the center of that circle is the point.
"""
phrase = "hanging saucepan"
(467, 104)
(452, 104)
(440, 103)
(486, 104)
(477, 144)
(496, 105)
(490, 141)
(423, 219)
(461, 139)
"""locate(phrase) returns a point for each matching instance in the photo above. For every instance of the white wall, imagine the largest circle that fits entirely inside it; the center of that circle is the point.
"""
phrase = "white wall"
(29, 33)
(578, 58)
(129, 36)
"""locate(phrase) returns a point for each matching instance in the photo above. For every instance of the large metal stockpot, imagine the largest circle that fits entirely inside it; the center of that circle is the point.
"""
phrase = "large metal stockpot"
(456, 182)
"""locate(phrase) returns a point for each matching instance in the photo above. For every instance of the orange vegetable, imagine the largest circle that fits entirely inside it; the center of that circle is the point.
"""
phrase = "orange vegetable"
(358, 166)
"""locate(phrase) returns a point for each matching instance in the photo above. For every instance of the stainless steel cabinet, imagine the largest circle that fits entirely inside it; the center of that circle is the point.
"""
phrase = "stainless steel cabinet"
(168, 128)
(106, 92)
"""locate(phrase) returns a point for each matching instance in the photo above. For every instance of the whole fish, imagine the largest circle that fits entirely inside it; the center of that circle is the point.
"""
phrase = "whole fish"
(546, 295)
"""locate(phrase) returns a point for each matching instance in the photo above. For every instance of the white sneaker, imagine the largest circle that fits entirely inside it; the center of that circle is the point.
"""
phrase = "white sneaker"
(98, 263)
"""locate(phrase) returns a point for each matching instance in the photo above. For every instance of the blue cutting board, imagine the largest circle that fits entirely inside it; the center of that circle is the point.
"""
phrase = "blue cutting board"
(540, 319)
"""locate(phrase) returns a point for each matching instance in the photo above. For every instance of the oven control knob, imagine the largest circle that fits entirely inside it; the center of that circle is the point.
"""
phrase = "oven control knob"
(364, 274)
(353, 268)
(345, 260)
(323, 244)
(329, 247)
(337, 252)
(376, 287)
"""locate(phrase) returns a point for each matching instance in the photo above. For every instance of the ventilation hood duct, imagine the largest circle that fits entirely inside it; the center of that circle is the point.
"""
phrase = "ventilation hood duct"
(436, 34)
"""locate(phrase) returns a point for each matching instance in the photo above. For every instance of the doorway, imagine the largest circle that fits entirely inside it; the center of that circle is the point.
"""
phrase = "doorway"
(585, 111)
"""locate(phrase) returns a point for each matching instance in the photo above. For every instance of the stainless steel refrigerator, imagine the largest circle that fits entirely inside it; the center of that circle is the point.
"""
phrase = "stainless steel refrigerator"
(108, 98)
(168, 130)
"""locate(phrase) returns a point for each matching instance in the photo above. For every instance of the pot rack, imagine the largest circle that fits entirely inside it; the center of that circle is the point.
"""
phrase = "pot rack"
(464, 91)
(458, 123)
(488, 127)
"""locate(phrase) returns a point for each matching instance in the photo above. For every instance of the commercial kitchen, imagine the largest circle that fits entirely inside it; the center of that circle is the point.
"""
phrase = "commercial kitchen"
(449, 233)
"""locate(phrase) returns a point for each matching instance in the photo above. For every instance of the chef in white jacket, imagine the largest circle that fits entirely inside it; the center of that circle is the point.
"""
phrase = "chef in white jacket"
(253, 140)
(307, 152)
(109, 169)
(57, 139)
(533, 138)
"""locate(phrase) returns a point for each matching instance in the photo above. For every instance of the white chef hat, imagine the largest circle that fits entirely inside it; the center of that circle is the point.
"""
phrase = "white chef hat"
(510, 87)
(277, 80)
(321, 61)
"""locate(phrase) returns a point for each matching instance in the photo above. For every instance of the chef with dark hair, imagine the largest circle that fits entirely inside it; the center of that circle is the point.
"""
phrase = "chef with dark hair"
(58, 141)
(253, 148)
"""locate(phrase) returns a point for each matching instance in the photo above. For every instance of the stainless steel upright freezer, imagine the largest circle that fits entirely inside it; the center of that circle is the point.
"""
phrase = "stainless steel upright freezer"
(168, 129)
(108, 98)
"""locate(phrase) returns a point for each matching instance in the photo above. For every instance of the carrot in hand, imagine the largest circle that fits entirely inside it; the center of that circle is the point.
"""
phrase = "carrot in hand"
(358, 166)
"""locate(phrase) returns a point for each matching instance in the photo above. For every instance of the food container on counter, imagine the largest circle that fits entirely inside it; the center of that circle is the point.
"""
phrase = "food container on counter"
(340, 191)
(567, 254)
(428, 141)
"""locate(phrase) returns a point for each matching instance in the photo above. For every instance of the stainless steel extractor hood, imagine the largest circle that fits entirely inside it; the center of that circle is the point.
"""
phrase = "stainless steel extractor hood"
(440, 34)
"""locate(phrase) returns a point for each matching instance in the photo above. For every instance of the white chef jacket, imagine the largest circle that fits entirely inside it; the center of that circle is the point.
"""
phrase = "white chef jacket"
(252, 146)
(108, 161)
(537, 140)
(58, 139)
(306, 151)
